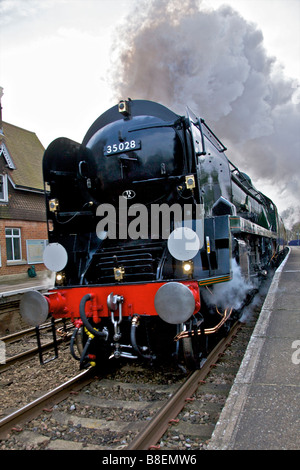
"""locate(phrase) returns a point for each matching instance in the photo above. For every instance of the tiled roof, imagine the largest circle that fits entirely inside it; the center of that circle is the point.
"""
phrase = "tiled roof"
(26, 152)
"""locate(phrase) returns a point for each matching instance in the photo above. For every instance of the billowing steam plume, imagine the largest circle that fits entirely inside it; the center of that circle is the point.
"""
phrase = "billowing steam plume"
(214, 61)
(229, 294)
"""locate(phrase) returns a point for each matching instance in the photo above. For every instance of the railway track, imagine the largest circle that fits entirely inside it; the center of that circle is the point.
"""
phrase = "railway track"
(18, 345)
(29, 411)
(132, 408)
(168, 413)
(18, 335)
(10, 316)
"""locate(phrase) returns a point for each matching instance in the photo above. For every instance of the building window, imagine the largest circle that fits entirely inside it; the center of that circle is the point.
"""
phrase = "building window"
(13, 244)
(3, 188)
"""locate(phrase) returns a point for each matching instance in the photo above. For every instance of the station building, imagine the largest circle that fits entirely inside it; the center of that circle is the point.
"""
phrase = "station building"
(23, 227)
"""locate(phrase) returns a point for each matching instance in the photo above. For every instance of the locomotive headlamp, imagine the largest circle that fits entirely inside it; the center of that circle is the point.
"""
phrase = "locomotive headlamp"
(119, 273)
(53, 205)
(123, 108)
(188, 267)
(190, 182)
(60, 278)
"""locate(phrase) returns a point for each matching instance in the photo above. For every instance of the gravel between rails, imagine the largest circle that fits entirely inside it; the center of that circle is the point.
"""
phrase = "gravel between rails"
(23, 383)
(26, 382)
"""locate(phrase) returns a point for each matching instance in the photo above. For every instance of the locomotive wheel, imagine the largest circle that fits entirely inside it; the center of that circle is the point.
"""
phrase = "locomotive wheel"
(194, 347)
(190, 358)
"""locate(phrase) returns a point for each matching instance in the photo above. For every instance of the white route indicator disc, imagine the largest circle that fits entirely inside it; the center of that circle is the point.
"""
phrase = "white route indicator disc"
(55, 257)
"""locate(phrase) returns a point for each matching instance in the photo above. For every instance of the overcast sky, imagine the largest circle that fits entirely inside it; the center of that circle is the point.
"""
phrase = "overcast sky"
(55, 57)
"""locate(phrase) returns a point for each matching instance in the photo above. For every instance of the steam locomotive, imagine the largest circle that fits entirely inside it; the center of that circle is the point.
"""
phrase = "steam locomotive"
(145, 217)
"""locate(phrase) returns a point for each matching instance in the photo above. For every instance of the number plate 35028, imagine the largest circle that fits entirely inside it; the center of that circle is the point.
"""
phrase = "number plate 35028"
(122, 147)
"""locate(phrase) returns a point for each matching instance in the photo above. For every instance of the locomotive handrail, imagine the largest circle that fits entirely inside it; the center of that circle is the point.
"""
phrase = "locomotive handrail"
(211, 136)
(154, 125)
(247, 190)
(169, 177)
(202, 137)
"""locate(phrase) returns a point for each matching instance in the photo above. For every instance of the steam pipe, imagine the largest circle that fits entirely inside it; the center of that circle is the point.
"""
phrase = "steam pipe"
(207, 331)
(84, 352)
(134, 325)
(72, 344)
(84, 319)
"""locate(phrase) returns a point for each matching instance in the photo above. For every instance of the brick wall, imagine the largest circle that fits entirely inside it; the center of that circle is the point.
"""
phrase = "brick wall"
(30, 230)
(23, 205)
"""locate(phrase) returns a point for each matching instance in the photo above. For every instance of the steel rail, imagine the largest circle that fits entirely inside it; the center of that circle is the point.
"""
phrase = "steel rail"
(28, 332)
(161, 421)
(30, 353)
(32, 409)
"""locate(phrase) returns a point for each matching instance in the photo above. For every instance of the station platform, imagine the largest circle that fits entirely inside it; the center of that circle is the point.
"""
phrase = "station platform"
(15, 285)
(262, 411)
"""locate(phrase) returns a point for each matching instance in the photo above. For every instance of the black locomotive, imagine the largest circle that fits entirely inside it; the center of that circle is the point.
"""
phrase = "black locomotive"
(144, 217)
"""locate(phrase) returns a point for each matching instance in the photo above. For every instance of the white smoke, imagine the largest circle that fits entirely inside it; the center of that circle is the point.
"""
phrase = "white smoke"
(214, 61)
(249, 311)
(229, 294)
